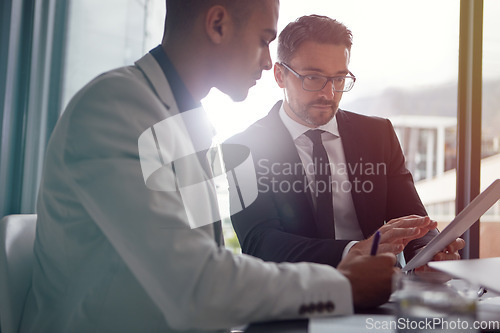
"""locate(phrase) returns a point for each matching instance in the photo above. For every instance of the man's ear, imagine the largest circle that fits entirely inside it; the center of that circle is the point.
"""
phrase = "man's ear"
(279, 75)
(218, 24)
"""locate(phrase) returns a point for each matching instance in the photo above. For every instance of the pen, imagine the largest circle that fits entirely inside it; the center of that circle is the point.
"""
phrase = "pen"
(376, 240)
(481, 292)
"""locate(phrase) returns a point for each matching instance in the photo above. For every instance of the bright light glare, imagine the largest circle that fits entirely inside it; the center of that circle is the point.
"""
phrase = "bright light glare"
(230, 117)
(396, 44)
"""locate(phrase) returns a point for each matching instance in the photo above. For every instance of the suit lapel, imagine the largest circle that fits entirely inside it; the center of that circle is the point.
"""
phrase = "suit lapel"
(284, 152)
(353, 158)
(198, 136)
(154, 74)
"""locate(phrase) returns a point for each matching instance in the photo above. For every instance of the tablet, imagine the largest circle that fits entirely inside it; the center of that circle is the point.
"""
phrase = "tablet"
(480, 272)
(458, 226)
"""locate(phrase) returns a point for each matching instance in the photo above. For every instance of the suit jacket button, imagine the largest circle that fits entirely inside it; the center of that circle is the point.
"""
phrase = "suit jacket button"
(330, 306)
(320, 307)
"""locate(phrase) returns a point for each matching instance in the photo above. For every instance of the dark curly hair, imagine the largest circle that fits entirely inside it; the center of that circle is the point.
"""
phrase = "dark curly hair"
(182, 13)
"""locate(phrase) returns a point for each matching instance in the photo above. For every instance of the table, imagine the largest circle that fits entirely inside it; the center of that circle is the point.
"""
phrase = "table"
(357, 322)
(301, 325)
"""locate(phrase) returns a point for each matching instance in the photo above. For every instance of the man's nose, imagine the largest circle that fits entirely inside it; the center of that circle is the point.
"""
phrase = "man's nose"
(327, 90)
(267, 63)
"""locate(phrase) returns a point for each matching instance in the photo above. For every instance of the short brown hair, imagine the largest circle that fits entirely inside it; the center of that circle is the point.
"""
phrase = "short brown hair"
(316, 28)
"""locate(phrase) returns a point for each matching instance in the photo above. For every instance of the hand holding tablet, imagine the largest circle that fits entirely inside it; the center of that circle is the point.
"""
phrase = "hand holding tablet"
(458, 226)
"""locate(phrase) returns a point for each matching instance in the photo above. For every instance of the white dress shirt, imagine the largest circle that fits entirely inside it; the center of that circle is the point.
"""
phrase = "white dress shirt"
(346, 222)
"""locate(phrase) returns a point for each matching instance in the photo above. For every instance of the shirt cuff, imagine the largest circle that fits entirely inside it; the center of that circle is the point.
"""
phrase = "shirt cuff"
(348, 248)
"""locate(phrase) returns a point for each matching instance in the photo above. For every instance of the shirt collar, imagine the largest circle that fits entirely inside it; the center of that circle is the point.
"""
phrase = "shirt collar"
(181, 94)
(197, 123)
(296, 129)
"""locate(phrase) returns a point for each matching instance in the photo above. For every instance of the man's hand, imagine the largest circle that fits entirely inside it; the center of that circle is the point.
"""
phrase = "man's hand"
(397, 233)
(449, 253)
(370, 277)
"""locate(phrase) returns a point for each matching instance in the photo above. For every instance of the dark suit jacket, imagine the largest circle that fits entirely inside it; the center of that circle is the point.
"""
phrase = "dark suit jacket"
(280, 224)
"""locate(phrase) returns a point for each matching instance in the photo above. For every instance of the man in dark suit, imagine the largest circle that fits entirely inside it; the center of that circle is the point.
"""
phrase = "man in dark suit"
(327, 178)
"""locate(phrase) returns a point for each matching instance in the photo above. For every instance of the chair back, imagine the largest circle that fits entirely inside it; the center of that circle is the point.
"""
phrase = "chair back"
(17, 236)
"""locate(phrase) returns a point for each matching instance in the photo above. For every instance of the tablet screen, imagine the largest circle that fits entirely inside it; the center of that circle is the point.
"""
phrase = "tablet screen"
(458, 226)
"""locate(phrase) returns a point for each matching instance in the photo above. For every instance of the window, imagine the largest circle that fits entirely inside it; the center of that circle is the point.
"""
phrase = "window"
(103, 35)
(490, 142)
(404, 55)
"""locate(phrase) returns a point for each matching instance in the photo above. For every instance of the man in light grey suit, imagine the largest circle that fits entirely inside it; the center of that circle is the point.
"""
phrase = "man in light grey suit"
(121, 245)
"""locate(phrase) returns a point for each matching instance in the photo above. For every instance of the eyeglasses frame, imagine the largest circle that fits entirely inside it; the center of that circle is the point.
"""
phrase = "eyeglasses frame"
(328, 78)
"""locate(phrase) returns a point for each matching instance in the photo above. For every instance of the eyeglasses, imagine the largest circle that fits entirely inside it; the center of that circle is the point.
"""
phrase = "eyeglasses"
(318, 82)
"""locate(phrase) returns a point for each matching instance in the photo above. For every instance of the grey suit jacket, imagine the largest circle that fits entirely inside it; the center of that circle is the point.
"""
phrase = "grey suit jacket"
(114, 254)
